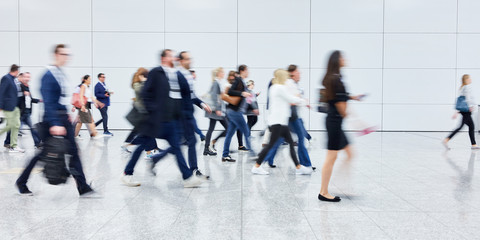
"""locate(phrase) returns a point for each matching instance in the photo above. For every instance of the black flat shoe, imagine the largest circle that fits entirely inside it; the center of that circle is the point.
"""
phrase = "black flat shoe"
(314, 168)
(209, 153)
(335, 199)
(272, 165)
(228, 159)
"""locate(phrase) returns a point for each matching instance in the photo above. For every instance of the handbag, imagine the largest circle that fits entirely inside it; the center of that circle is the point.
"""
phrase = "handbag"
(234, 100)
(78, 101)
(135, 117)
(462, 105)
(322, 104)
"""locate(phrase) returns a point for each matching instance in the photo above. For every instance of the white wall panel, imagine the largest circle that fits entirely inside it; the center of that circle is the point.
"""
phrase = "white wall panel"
(420, 51)
(55, 15)
(9, 48)
(201, 16)
(273, 50)
(356, 16)
(362, 116)
(422, 86)
(127, 49)
(131, 16)
(360, 50)
(274, 16)
(36, 48)
(468, 17)
(468, 51)
(9, 15)
(207, 49)
(420, 16)
(417, 117)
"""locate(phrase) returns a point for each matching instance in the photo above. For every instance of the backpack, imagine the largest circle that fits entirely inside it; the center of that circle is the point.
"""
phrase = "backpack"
(53, 155)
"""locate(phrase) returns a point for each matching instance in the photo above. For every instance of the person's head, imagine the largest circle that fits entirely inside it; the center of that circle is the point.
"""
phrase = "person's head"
(466, 79)
(294, 72)
(280, 76)
(335, 63)
(218, 73)
(101, 77)
(243, 71)
(231, 77)
(250, 84)
(14, 70)
(167, 58)
(184, 59)
(86, 79)
(194, 74)
(140, 76)
(25, 78)
(62, 54)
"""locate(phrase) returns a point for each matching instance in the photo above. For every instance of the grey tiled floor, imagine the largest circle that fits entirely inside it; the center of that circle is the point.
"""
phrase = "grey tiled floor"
(399, 186)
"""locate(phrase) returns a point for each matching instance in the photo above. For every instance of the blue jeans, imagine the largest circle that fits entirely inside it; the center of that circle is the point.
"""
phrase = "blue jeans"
(297, 127)
(236, 121)
(25, 118)
(186, 129)
(169, 133)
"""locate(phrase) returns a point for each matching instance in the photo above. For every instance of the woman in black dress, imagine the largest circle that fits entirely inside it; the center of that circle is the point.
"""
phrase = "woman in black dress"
(337, 97)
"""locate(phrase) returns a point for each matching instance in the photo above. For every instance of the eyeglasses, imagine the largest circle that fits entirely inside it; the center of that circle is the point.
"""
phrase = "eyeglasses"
(64, 54)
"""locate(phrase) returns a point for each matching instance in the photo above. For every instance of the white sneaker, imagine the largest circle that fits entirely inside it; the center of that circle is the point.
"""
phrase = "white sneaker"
(125, 148)
(259, 170)
(211, 149)
(192, 182)
(78, 138)
(98, 136)
(128, 181)
(16, 150)
(151, 154)
(304, 170)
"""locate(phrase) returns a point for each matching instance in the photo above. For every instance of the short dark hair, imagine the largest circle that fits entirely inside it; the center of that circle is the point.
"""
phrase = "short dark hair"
(291, 68)
(58, 46)
(20, 74)
(100, 74)
(191, 71)
(242, 68)
(164, 52)
(180, 55)
(14, 68)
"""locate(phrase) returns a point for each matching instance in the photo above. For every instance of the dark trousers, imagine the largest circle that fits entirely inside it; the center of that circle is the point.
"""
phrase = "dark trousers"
(211, 127)
(466, 119)
(170, 134)
(251, 121)
(104, 120)
(132, 139)
(25, 118)
(278, 131)
(187, 131)
(75, 165)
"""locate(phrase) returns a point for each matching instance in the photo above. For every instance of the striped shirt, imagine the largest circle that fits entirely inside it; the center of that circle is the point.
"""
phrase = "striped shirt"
(173, 81)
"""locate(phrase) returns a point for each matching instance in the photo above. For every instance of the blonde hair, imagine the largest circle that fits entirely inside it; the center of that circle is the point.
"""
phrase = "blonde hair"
(215, 72)
(280, 76)
(136, 76)
(464, 79)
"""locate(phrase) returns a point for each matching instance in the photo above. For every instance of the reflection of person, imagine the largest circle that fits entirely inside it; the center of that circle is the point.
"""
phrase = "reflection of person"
(25, 104)
(53, 89)
(466, 91)
(102, 94)
(9, 91)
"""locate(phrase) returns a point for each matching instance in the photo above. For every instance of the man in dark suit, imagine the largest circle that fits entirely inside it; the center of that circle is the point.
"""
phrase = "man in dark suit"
(8, 104)
(103, 95)
(162, 96)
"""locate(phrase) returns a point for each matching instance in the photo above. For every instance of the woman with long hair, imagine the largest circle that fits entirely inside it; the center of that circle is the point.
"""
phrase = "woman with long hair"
(84, 113)
(280, 100)
(465, 91)
(336, 96)
(217, 114)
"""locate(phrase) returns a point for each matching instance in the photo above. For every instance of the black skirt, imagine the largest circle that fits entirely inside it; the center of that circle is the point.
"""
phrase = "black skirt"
(337, 140)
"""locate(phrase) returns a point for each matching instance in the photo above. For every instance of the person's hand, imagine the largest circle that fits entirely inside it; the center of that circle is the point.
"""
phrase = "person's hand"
(73, 109)
(83, 109)
(26, 93)
(107, 95)
(258, 93)
(455, 115)
(58, 131)
(256, 112)
(206, 108)
(219, 113)
(470, 109)
(40, 100)
(246, 94)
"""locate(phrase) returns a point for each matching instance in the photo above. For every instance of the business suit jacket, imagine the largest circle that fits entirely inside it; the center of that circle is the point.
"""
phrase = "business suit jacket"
(100, 94)
(8, 93)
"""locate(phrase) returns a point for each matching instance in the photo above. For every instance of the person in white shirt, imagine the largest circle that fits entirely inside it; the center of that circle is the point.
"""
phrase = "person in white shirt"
(280, 100)
(84, 113)
(466, 91)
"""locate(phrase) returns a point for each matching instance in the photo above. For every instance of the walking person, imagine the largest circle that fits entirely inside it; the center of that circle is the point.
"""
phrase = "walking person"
(278, 116)
(465, 92)
(25, 105)
(162, 97)
(84, 113)
(336, 96)
(103, 94)
(9, 93)
(217, 114)
(235, 114)
(54, 93)
(252, 107)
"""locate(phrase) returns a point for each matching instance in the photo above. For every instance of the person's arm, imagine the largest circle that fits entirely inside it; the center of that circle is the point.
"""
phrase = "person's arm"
(292, 99)
(341, 108)
(232, 91)
(82, 94)
(99, 91)
(469, 96)
(148, 90)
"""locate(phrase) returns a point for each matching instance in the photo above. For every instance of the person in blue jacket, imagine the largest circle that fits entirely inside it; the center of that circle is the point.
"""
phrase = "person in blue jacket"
(102, 94)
